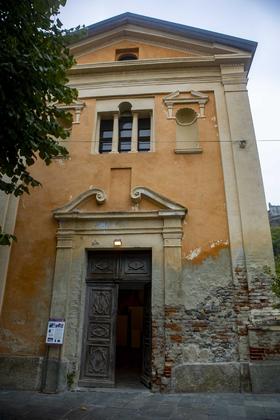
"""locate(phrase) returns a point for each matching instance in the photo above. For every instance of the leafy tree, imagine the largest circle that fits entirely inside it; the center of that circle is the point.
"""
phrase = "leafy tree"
(276, 278)
(6, 238)
(33, 64)
(275, 233)
(34, 60)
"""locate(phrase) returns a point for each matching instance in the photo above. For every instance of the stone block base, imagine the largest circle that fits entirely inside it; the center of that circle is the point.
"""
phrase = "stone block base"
(55, 377)
(211, 377)
(20, 372)
(265, 376)
(25, 373)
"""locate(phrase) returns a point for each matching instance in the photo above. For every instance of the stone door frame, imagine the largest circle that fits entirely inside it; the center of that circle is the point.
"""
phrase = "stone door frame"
(114, 274)
(158, 230)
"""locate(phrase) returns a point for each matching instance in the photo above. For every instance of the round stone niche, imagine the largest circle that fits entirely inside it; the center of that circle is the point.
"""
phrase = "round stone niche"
(186, 116)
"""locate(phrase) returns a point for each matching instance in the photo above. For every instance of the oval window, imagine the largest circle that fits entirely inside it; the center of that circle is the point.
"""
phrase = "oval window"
(186, 116)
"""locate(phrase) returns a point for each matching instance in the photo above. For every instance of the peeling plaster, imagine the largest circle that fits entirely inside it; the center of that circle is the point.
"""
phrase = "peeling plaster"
(212, 249)
(218, 243)
(193, 254)
(196, 282)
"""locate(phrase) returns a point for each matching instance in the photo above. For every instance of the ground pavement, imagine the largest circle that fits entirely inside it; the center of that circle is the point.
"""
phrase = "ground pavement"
(136, 405)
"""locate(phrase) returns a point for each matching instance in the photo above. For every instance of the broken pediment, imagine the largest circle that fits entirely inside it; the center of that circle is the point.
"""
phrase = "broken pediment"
(142, 201)
(140, 193)
(73, 205)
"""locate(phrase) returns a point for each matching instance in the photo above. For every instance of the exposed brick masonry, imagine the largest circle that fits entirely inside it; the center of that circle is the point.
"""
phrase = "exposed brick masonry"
(219, 327)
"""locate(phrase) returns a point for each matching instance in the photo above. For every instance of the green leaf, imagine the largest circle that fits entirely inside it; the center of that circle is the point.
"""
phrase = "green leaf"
(6, 238)
(33, 74)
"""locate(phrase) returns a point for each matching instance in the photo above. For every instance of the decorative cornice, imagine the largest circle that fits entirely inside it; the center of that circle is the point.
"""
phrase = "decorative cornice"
(233, 76)
(93, 87)
(168, 63)
(120, 215)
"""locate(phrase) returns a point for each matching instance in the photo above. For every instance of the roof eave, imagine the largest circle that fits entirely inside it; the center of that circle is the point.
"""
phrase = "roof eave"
(184, 30)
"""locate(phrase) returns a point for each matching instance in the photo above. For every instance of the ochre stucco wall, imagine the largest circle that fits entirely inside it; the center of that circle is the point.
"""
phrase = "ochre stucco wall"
(193, 180)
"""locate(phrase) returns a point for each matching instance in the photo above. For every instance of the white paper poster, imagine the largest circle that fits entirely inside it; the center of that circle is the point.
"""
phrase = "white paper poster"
(55, 331)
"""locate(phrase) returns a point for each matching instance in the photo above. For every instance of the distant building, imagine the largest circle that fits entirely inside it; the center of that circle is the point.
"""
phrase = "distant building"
(150, 240)
(274, 215)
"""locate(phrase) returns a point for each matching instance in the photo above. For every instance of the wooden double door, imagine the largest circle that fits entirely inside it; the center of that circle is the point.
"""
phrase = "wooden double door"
(107, 274)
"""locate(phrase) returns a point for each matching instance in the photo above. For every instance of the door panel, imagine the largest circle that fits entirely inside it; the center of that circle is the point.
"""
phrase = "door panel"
(103, 265)
(98, 367)
(135, 266)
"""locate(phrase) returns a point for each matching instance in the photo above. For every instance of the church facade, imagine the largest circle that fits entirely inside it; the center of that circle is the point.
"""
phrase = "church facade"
(148, 243)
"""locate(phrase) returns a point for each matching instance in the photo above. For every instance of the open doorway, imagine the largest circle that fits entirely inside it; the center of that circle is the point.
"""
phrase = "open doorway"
(129, 338)
(117, 328)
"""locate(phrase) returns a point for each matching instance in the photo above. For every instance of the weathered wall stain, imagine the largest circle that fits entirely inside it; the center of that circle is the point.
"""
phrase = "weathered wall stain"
(198, 255)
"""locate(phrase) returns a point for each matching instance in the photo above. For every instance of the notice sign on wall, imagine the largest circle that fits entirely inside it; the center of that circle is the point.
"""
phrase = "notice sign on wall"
(55, 331)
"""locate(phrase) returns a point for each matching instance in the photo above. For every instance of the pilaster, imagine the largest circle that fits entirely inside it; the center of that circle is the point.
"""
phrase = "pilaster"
(251, 246)
(253, 214)
(172, 243)
(55, 378)
(8, 214)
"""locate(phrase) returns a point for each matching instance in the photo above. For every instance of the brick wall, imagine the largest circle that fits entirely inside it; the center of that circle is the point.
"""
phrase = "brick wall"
(219, 329)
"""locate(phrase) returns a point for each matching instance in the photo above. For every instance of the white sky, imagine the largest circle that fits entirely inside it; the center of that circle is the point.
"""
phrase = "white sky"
(257, 20)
